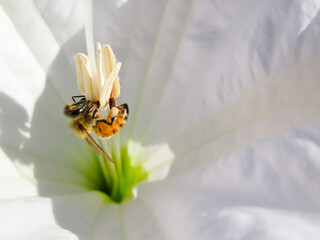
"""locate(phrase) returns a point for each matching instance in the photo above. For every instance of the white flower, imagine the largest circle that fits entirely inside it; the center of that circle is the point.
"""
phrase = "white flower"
(233, 81)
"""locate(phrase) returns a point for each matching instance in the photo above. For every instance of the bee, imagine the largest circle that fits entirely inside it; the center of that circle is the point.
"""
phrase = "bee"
(85, 118)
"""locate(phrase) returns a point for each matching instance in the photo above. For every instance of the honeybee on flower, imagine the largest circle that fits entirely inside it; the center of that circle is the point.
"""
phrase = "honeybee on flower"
(96, 110)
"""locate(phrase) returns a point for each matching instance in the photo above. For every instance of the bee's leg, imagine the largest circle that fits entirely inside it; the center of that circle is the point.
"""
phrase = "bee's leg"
(81, 129)
(95, 114)
(112, 120)
(107, 121)
(113, 115)
(78, 96)
(90, 109)
(77, 112)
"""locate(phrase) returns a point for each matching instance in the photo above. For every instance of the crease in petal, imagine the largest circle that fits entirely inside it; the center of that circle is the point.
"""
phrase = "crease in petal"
(23, 15)
(267, 180)
(139, 211)
(281, 100)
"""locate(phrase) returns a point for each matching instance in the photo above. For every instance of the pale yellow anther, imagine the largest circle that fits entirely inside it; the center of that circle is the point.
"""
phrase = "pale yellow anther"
(106, 89)
(110, 63)
(107, 83)
(81, 61)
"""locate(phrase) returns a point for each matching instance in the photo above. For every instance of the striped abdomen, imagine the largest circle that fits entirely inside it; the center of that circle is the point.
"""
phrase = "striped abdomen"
(105, 129)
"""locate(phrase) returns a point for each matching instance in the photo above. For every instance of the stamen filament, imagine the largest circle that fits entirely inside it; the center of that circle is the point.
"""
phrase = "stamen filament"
(90, 38)
(116, 146)
(105, 170)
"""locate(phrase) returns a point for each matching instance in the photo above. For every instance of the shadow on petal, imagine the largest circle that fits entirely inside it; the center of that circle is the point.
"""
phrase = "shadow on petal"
(14, 126)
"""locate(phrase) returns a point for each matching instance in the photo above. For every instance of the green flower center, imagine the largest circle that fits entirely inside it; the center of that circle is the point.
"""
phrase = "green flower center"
(117, 180)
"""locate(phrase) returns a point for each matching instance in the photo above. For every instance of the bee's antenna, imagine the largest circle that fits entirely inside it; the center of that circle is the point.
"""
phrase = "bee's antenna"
(78, 96)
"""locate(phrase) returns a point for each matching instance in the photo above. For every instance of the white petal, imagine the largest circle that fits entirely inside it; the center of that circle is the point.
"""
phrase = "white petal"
(14, 187)
(124, 221)
(243, 45)
(280, 104)
(206, 77)
(262, 191)
(69, 23)
(70, 217)
(34, 131)
(268, 190)
(214, 65)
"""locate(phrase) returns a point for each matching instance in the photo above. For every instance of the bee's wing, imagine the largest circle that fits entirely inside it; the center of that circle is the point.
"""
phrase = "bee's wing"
(96, 146)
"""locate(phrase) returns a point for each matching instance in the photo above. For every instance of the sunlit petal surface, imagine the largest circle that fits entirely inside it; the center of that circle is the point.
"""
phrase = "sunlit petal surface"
(224, 105)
